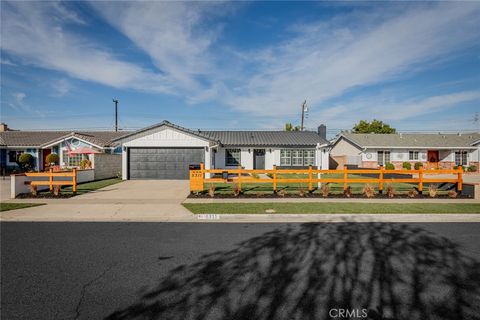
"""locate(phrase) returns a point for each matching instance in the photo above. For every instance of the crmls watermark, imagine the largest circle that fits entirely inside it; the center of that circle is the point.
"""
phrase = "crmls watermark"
(348, 313)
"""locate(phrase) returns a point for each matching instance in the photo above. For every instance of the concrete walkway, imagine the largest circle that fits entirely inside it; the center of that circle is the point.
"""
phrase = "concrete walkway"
(161, 201)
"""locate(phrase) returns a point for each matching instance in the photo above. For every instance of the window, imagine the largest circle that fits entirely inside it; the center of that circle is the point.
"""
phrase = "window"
(413, 155)
(232, 157)
(285, 157)
(461, 158)
(383, 157)
(297, 157)
(13, 156)
(72, 160)
(309, 157)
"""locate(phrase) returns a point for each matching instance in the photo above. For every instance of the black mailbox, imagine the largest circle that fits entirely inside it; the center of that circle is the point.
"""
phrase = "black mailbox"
(224, 175)
(194, 166)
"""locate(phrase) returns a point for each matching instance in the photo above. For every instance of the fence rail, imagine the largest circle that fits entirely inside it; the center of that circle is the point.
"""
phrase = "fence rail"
(51, 175)
(314, 176)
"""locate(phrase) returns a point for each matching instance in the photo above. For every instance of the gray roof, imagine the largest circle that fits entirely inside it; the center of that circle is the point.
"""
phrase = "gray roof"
(240, 138)
(417, 140)
(41, 138)
(266, 138)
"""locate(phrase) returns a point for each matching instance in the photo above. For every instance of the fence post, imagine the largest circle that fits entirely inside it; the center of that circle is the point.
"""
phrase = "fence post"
(459, 179)
(50, 179)
(239, 178)
(310, 186)
(420, 178)
(274, 179)
(202, 175)
(345, 177)
(74, 180)
(380, 180)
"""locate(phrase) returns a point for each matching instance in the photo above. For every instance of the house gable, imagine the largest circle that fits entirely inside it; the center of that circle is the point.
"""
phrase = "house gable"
(166, 136)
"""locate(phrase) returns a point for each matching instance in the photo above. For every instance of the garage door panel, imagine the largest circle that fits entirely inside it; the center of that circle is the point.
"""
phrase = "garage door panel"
(162, 163)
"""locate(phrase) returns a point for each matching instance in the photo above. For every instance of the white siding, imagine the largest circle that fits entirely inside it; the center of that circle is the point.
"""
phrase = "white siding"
(167, 138)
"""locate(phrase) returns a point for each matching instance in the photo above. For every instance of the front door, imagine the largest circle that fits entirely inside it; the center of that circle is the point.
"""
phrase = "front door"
(259, 159)
(432, 158)
(45, 153)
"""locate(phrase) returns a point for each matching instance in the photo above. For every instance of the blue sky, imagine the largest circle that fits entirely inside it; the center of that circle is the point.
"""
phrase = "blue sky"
(415, 65)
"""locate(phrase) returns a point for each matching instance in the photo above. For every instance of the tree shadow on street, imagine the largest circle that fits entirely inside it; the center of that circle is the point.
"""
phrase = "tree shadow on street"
(395, 271)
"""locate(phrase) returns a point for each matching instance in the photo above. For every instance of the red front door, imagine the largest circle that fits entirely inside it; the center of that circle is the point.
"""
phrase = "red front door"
(45, 153)
(432, 158)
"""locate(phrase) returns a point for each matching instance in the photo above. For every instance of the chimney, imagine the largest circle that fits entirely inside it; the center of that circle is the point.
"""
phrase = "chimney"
(322, 131)
(3, 127)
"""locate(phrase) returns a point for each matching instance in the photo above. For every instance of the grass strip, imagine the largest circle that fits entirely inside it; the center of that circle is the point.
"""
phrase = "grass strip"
(14, 206)
(311, 208)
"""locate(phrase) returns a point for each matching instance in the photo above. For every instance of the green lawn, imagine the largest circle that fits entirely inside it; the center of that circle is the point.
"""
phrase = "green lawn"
(335, 188)
(249, 208)
(13, 206)
(89, 186)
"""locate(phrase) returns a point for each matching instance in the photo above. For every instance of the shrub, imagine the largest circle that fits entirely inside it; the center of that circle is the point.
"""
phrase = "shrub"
(85, 164)
(236, 190)
(33, 190)
(57, 190)
(472, 169)
(368, 190)
(432, 190)
(412, 193)
(25, 160)
(325, 188)
(417, 165)
(52, 158)
(389, 166)
(407, 165)
(348, 192)
(255, 175)
(458, 167)
(391, 192)
(211, 191)
(301, 192)
(452, 194)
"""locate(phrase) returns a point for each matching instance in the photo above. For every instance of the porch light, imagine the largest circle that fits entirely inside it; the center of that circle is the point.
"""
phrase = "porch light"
(248, 150)
(206, 149)
(124, 148)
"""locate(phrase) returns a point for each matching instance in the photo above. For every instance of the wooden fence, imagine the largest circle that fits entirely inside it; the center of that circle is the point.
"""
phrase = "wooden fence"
(51, 175)
(314, 176)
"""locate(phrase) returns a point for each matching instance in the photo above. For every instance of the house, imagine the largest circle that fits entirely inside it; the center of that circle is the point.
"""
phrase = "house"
(165, 150)
(433, 150)
(41, 143)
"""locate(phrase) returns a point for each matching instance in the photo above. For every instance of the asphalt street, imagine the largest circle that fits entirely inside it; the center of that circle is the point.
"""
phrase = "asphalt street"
(239, 271)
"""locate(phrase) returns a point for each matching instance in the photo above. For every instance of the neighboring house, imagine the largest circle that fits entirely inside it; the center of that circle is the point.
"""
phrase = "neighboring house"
(165, 150)
(41, 143)
(433, 150)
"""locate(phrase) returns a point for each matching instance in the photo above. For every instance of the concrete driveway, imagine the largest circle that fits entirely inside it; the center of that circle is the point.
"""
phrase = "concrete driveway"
(132, 200)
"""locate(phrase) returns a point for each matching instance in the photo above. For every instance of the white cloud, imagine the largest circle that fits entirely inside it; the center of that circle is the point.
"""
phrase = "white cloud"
(19, 97)
(7, 62)
(36, 33)
(172, 34)
(61, 87)
(327, 60)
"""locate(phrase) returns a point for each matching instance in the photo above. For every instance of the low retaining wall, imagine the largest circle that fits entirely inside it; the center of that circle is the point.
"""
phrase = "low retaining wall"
(18, 186)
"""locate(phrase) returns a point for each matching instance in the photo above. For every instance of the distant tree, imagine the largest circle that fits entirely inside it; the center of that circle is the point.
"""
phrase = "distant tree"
(290, 127)
(375, 126)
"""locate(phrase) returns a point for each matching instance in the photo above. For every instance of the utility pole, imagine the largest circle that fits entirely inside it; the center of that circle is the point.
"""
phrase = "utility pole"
(304, 108)
(116, 114)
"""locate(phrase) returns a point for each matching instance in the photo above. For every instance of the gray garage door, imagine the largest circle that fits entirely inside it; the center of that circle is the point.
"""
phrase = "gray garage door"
(163, 163)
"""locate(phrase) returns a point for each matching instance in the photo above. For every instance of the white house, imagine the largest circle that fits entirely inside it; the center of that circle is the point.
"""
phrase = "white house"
(165, 150)
(432, 150)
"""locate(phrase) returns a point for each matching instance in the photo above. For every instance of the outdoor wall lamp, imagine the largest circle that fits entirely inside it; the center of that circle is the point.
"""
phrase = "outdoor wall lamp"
(206, 149)
(124, 148)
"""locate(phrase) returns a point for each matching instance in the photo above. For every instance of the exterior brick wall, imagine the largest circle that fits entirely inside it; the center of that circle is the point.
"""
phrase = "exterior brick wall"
(107, 165)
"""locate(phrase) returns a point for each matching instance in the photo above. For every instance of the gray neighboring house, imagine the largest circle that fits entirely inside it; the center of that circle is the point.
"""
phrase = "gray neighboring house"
(433, 150)
(165, 150)
(41, 143)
